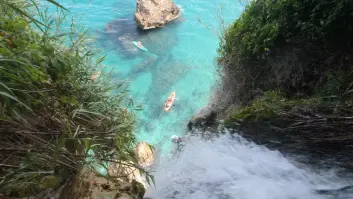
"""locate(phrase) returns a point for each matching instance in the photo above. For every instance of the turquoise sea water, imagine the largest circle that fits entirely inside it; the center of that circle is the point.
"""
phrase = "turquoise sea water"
(180, 58)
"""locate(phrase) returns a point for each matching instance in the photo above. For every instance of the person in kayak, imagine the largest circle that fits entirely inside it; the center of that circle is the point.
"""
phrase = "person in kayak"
(168, 101)
(139, 44)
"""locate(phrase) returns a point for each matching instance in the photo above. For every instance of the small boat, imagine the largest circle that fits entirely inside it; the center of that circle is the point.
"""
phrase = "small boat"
(169, 103)
(140, 47)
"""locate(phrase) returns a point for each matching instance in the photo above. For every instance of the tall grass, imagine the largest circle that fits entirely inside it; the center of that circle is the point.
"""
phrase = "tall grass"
(51, 110)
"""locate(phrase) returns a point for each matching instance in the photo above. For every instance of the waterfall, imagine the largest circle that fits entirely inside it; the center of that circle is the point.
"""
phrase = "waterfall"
(231, 167)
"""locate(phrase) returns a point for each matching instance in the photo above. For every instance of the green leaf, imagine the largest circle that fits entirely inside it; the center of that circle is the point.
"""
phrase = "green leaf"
(14, 98)
(7, 88)
(86, 144)
(58, 5)
(100, 59)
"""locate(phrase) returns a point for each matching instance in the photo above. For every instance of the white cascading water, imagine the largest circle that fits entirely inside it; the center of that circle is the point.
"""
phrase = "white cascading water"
(231, 167)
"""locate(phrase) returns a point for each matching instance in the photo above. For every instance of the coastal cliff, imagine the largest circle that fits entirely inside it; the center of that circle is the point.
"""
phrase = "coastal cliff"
(286, 70)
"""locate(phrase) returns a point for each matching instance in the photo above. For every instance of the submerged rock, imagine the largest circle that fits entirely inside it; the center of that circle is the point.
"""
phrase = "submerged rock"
(118, 35)
(155, 13)
(167, 74)
(143, 66)
(164, 75)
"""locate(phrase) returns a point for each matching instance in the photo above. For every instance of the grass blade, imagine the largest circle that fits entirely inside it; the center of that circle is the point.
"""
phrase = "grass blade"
(58, 5)
(14, 98)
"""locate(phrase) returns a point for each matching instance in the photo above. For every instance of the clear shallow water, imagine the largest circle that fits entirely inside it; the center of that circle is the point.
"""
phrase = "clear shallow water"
(180, 58)
(230, 167)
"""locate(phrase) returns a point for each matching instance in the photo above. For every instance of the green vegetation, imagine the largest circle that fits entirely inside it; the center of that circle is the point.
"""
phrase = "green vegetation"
(266, 24)
(51, 109)
(289, 66)
(290, 45)
(268, 106)
(312, 123)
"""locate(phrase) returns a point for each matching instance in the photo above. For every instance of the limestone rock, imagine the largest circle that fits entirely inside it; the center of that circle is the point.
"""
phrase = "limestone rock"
(88, 185)
(145, 154)
(155, 13)
(127, 169)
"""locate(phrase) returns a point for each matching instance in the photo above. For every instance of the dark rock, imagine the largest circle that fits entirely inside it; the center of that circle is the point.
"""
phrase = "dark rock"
(206, 117)
(346, 189)
(137, 189)
(124, 196)
(125, 187)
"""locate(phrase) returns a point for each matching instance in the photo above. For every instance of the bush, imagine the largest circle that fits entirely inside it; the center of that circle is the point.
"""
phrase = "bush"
(268, 106)
(52, 109)
(290, 45)
(267, 23)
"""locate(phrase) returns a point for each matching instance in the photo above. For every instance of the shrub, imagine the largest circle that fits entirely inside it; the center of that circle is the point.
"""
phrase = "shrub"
(51, 110)
(268, 106)
(291, 45)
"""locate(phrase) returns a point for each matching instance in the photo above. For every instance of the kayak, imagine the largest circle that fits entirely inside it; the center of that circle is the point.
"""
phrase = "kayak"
(169, 104)
(142, 48)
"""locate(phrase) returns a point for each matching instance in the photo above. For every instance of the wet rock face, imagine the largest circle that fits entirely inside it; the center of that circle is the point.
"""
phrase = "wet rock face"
(206, 117)
(155, 13)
